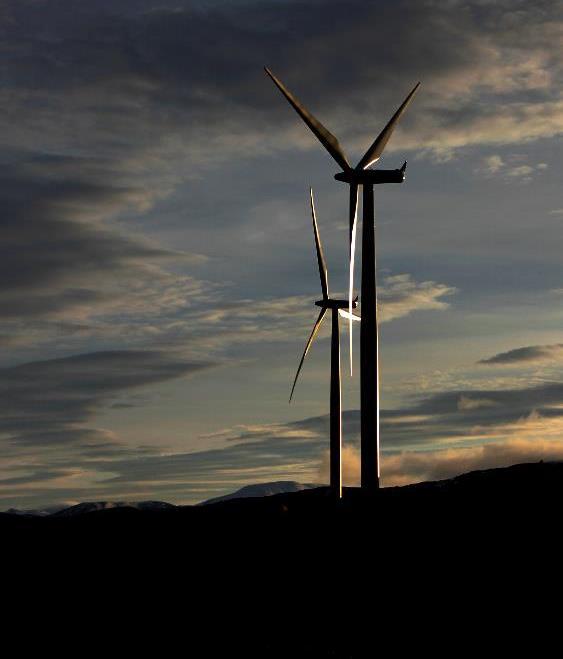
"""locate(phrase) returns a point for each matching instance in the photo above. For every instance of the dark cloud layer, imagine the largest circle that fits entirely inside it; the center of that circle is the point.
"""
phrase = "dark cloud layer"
(50, 402)
(440, 435)
(108, 103)
(50, 260)
(200, 68)
(526, 355)
(445, 416)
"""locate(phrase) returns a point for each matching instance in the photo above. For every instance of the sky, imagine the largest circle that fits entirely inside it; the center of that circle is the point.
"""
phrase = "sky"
(157, 265)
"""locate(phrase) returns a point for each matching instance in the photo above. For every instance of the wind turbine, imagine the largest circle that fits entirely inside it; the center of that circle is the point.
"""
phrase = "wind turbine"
(338, 308)
(357, 176)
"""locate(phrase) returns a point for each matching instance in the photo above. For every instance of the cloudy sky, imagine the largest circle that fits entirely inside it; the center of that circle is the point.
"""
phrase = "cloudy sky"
(157, 267)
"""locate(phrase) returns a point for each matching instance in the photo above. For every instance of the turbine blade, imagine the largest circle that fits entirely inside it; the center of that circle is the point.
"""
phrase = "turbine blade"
(320, 255)
(316, 328)
(376, 149)
(325, 137)
(353, 222)
(349, 316)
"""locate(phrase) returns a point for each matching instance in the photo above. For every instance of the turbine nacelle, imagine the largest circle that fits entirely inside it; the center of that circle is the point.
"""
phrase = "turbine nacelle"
(372, 176)
(336, 304)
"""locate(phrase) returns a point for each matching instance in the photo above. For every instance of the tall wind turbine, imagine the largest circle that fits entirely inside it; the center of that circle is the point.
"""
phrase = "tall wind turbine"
(357, 176)
(338, 308)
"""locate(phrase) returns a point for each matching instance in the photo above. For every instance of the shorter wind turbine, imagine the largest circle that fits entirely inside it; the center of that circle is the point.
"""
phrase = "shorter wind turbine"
(338, 308)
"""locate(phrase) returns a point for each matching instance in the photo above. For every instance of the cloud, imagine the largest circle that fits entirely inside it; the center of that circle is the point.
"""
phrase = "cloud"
(65, 267)
(275, 453)
(532, 439)
(183, 477)
(441, 426)
(522, 170)
(526, 355)
(489, 76)
(351, 467)
(439, 436)
(56, 257)
(67, 274)
(50, 402)
(218, 323)
(492, 164)
(413, 467)
(467, 403)
(109, 112)
(408, 467)
(400, 295)
(509, 167)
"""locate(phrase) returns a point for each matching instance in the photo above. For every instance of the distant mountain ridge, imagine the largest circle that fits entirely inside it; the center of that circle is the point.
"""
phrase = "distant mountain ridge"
(255, 490)
(88, 507)
(36, 512)
(480, 497)
(482, 483)
(264, 567)
(262, 490)
(92, 506)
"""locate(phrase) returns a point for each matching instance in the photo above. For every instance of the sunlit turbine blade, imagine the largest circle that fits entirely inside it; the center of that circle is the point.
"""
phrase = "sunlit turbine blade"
(376, 149)
(353, 222)
(348, 316)
(320, 255)
(325, 137)
(316, 328)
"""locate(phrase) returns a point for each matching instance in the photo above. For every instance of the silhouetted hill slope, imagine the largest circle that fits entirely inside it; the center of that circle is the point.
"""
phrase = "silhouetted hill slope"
(254, 490)
(262, 490)
(432, 568)
(481, 497)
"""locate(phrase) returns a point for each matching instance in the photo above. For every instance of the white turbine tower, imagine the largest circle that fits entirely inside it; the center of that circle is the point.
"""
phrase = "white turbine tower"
(338, 308)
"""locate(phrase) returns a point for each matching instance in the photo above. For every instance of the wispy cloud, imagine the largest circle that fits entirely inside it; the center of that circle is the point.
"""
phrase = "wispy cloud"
(412, 467)
(219, 106)
(493, 164)
(511, 167)
(440, 435)
(400, 295)
(526, 355)
(199, 317)
(51, 402)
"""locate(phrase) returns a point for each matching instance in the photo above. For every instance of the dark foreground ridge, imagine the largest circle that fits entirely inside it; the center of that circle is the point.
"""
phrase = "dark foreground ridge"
(300, 575)
(521, 495)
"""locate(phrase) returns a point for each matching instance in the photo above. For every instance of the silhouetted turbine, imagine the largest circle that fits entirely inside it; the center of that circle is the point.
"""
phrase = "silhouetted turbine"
(356, 176)
(338, 308)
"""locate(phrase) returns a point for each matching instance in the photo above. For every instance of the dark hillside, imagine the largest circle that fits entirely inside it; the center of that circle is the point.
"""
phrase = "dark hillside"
(298, 575)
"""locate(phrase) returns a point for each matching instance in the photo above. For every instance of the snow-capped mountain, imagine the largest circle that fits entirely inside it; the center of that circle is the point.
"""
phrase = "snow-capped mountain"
(39, 512)
(262, 490)
(92, 506)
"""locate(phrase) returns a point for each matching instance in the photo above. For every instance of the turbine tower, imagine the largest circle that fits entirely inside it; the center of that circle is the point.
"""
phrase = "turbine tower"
(358, 176)
(338, 308)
